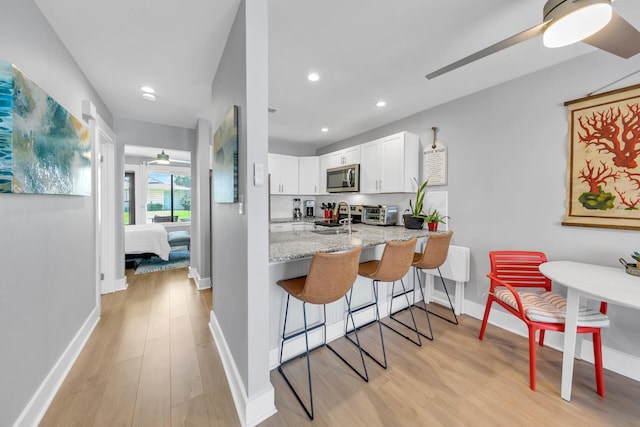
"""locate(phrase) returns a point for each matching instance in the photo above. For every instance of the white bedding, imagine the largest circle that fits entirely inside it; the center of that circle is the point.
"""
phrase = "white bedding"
(145, 238)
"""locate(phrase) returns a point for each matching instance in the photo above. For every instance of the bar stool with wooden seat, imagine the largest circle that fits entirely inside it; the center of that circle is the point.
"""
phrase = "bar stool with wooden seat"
(330, 277)
(393, 266)
(434, 255)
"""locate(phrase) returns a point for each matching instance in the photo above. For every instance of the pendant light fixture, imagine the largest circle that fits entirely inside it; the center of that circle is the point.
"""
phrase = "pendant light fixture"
(162, 158)
(574, 20)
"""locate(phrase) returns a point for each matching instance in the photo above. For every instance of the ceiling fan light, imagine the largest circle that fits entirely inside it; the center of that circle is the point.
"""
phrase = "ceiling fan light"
(577, 25)
(162, 158)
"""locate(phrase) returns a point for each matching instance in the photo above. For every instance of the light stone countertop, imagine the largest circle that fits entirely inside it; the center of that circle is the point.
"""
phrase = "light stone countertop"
(293, 245)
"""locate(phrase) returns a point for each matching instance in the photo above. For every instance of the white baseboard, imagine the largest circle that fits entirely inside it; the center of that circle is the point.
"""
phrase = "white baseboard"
(613, 360)
(201, 283)
(39, 403)
(121, 284)
(250, 411)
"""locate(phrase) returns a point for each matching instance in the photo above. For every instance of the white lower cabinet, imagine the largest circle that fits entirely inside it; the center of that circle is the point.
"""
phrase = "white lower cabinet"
(290, 226)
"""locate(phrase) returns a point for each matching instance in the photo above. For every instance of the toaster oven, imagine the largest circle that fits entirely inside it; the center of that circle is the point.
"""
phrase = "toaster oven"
(380, 215)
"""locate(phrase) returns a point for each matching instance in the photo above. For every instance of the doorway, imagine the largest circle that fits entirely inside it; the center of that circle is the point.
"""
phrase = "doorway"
(106, 212)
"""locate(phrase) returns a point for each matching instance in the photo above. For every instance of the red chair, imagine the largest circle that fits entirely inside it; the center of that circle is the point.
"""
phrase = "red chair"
(542, 310)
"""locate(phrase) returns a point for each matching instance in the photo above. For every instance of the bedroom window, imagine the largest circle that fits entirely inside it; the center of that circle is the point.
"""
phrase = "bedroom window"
(168, 198)
(129, 198)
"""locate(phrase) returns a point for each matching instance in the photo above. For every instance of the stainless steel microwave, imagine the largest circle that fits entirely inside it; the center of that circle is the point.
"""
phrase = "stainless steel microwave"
(343, 179)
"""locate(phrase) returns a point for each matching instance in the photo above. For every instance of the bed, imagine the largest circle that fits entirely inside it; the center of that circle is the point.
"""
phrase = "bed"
(145, 239)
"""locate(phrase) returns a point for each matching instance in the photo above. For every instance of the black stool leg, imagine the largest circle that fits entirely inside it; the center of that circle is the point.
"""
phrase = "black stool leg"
(426, 312)
(306, 339)
(365, 377)
(453, 311)
(310, 410)
(408, 307)
(347, 332)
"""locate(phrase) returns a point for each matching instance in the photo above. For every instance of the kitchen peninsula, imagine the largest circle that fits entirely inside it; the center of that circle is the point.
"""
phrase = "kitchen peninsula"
(290, 255)
(295, 245)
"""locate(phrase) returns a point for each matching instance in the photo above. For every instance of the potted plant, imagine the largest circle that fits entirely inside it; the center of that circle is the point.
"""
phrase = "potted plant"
(433, 218)
(415, 219)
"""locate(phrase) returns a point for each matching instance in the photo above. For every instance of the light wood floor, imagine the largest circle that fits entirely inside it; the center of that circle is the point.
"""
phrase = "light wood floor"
(152, 361)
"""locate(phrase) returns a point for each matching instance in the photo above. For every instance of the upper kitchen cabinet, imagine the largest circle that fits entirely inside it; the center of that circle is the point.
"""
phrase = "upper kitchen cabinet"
(389, 164)
(284, 174)
(309, 171)
(348, 156)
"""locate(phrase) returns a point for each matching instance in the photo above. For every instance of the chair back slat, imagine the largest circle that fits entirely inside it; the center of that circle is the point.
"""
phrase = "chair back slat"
(330, 276)
(519, 268)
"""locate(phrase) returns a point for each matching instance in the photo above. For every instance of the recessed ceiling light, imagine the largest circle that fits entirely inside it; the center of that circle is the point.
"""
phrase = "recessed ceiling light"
(325, 129)
(147, 89)
(313, 77)
(381, 104)
(148, 97)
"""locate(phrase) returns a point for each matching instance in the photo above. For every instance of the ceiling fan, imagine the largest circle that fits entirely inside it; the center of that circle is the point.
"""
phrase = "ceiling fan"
(566, 22)
(163, 159)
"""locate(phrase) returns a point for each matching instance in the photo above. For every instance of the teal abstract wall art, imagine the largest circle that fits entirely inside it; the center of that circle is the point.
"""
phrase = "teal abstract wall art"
(44, 149)
(225, 159)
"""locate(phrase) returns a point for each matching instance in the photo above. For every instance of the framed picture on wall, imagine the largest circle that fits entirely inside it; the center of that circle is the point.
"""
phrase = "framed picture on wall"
(225, 159)
(44, 149)
(603, 171)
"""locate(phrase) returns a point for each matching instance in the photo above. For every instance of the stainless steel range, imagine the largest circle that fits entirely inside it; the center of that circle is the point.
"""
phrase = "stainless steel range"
(356, 213)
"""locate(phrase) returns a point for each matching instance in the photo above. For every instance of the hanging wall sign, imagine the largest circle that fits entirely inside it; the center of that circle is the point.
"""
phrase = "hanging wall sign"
(435, 163)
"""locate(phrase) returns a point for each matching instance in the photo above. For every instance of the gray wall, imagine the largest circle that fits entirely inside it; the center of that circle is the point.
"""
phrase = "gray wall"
(201, 201)
(240, 242)
(135, 132)
(507, 173)
(47, 256)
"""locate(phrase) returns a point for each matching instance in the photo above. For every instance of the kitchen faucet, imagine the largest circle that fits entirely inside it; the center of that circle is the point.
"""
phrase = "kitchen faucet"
(337, 213)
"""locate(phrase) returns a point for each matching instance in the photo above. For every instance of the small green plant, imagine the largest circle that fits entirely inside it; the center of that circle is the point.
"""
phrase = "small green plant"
(436, 216)
(416, 209)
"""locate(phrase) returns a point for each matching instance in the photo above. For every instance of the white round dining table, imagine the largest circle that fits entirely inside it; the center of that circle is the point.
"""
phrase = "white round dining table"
(598, 282)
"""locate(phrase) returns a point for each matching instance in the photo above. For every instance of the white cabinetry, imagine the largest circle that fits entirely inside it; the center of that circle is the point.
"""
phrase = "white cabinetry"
(284, 174)
(309, 171)
(348, 156)
(301, 226)
(280, 226)
(290, 226)
(389, 164)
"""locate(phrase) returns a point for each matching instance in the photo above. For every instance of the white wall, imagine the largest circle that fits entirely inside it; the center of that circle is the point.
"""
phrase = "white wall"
(47, 256)
(507, 171)
(240, 244)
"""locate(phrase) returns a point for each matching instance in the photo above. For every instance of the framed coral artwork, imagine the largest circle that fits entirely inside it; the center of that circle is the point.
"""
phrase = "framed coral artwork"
(603, 182)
